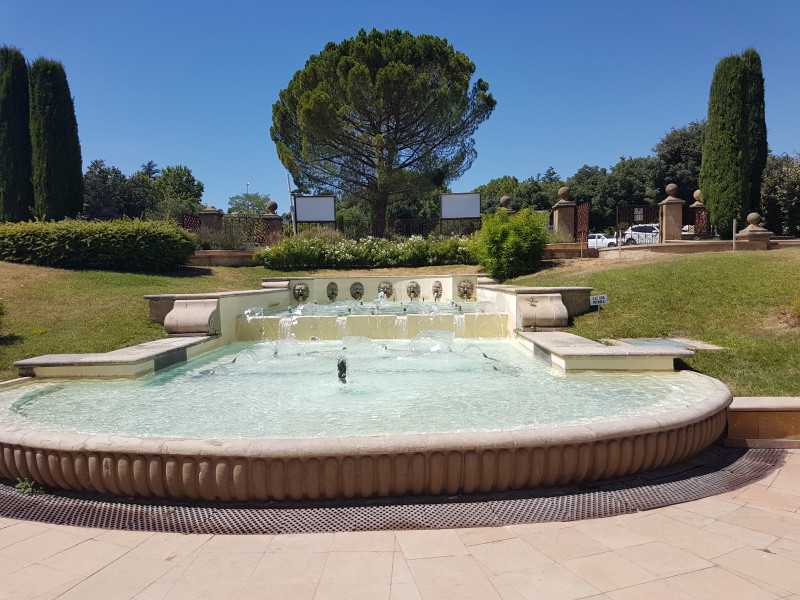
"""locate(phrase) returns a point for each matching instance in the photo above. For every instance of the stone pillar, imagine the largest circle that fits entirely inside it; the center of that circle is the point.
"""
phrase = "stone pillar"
(757, 236)
(670, 215)
(505, 202)
(273, 224)
(564, 213)
(210, 219)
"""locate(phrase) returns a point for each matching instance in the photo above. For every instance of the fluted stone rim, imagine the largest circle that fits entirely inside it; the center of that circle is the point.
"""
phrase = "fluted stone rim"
(265, 469)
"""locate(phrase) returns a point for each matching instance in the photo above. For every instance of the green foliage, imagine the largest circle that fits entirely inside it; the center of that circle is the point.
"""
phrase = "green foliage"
(378, 115)
(26, 486)
(326, 248)
(252, 204)
(734, 148)
(176, 192)
(780, 195)
(681, 153)
(125, 245)
(56, 150)
(16, 191)
(508, 247)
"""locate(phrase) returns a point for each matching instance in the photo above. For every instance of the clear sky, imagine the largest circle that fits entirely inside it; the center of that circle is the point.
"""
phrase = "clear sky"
(577, 82)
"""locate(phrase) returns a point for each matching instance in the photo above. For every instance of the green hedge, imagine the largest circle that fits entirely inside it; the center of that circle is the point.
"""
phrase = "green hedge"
(333, 252)
(123, 245)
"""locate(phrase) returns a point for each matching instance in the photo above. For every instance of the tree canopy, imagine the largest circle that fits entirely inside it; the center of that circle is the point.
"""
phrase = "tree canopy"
(375, 116)
(249, 203)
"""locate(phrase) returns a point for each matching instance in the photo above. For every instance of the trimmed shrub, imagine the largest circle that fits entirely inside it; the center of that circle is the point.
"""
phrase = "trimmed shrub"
(332, 251)
(123, 245)
(511, 246)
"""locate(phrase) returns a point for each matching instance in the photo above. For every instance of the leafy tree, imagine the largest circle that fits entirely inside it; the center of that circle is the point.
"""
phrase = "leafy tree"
(550, 176)
(734, 148)
(780, 195)
(591, 184)
(103, 186)
(139, 197)
(374, 115)
(249, 203)
(177, 192)
(150, 169)
(56, 150)
(178, 182)
(494, 190)
(681, 153)
(16, 191)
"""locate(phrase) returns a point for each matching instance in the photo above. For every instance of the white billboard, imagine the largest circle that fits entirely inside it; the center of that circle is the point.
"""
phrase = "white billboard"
(315, 209)
(461, 206)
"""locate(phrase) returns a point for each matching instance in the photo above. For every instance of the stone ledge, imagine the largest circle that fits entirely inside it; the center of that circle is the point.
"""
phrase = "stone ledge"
(760, 422)
(125, 362)
(571, 353)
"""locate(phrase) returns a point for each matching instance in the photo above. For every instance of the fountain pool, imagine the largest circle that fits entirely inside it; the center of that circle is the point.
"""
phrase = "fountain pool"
(432, 415)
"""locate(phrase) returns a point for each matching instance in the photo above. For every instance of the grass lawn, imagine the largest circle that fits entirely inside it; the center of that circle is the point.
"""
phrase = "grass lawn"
(735, 300)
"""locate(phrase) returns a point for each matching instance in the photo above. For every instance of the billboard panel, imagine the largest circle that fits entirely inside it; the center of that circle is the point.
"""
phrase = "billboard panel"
(461, 206)
(315, 209)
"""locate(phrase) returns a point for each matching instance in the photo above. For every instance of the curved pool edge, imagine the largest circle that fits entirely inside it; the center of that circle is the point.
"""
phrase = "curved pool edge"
(245, 470)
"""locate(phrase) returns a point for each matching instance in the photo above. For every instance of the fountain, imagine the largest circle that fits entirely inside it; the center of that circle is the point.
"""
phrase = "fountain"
(240, 464)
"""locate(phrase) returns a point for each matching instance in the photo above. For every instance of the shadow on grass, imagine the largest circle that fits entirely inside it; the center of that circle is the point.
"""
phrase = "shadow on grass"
(185, 272)
(9, 339)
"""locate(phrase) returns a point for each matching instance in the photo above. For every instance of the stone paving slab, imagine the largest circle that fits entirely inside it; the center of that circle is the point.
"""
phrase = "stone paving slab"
(743, 544)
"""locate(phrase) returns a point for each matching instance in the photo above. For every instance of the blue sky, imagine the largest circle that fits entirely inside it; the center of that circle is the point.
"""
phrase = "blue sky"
(578, 82)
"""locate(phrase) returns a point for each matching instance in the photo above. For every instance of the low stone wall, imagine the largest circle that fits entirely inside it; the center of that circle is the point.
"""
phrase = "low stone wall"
(221, 258)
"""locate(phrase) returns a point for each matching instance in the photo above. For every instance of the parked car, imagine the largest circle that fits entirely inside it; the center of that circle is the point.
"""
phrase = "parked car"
(641, 234)
(601, 240)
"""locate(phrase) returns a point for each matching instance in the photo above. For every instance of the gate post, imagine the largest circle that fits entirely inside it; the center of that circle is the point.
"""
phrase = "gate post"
(670, 215)
(564, 213)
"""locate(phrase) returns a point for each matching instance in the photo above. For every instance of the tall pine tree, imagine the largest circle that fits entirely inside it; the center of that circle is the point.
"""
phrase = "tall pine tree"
(57, 176)
(16, 191)
(735, 145)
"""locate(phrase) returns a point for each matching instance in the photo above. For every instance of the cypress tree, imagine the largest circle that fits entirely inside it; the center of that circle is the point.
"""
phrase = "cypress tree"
(756, 126)
(16, 191)
(735, 144)
(57, 176)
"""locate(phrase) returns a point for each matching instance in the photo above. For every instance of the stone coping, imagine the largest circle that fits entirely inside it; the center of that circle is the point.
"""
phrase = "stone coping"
(210, 296)
(527, 289)
(132, 361)
(401, 276)
(765, 404)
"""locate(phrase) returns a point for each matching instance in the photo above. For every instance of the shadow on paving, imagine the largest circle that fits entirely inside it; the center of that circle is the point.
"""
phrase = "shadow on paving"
(714, 471)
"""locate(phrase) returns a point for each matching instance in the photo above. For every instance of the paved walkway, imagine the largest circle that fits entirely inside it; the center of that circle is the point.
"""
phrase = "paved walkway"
(744, 545)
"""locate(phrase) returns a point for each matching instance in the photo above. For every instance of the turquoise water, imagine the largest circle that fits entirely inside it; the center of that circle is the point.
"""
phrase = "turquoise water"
(289, 389)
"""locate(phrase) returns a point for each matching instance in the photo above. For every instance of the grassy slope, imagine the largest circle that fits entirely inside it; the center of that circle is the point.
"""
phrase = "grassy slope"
(735, 300)
(55, 311)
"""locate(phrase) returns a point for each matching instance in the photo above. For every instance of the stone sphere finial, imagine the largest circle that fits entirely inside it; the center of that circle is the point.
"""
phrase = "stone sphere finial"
(505, 201)
(753, 219)
(698, 195)
(272, 206)
(671, 189)
(563, 193)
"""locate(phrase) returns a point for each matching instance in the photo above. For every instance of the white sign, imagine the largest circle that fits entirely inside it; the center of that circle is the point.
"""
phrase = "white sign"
(598, 300)
(461, 206)
(315, 209)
